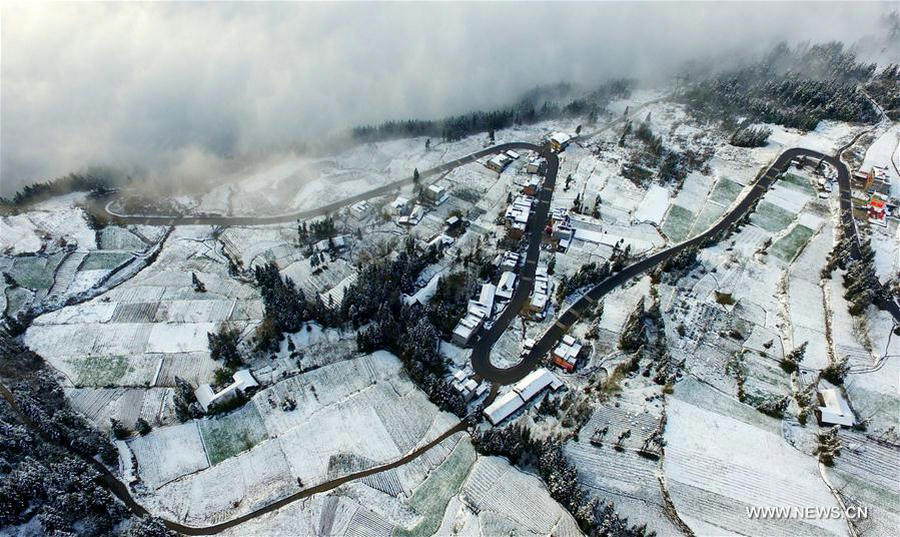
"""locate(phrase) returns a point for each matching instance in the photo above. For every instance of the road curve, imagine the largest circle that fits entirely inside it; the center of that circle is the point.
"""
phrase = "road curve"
(102, 208)
(581, 308)
(120, 490)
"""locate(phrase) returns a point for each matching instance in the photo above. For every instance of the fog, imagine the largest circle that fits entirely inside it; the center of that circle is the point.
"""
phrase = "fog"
(170, 89)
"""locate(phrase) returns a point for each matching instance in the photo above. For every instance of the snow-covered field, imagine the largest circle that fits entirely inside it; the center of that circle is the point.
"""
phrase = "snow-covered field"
(720, 461)
(349, 416)
(121, 337)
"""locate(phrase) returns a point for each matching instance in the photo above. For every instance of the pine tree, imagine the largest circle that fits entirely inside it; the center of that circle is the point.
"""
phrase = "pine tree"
(829, 446)
(142, 427)
(198, 285)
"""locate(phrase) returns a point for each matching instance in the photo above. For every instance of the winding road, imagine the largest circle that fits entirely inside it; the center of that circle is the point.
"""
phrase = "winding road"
(582, 307)
(482, 349)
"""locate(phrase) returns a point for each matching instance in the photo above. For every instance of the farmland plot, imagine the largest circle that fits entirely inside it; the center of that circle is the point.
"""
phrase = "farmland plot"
(678, 222)
(431, 497)
(231, 488)
(771, 217)
(168, 453)
(717, 465)
(228, 435)
(505, 497)
(808, 321)
(787, 247)
(156, 315)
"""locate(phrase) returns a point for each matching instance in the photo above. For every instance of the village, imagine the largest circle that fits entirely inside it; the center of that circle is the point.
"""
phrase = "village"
(165, 336)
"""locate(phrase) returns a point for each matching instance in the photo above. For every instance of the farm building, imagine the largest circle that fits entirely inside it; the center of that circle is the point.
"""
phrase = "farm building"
(522, 392)
(512, 154)
(243, 380)
(503, 406)
(558, 141)
(835, 410)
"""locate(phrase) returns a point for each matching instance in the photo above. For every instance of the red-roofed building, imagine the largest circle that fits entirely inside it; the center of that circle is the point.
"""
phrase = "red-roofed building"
(876, 208)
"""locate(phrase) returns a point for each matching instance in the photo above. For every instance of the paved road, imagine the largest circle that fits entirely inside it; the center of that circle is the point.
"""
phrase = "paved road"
(102, 207)
(120, 490)
(583, 306)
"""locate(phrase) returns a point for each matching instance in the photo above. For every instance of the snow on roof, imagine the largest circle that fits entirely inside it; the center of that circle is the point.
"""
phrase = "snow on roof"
(836, 410)
(560, 138)
(512, 154)
(243, 380)
(534, 382)
(486, 298)
(503, 406)
(506, 285)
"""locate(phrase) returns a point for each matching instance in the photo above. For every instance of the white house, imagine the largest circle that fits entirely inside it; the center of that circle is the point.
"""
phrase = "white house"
(498, 162)
(506, 286)
(360, 209)
(400, 206)
(559, 141)
(243, 380)
(835, 410)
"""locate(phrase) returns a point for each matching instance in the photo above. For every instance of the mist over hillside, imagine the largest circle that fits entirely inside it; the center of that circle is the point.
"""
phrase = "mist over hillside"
(169, 91)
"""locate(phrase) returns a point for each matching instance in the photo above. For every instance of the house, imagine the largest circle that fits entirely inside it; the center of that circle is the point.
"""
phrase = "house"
(540, 294)
(519, 211)
(438, 243)
(435, 193)
(498, 162)
(558, 141)
(876, 207)
(400, 206)
(477, 312)
(515, 230)
(512, 154)
(334, 244)
(243, 381)
(466, 328)
(527, 345)
(414, 217)
(453, 222)
(532, 187)
(360, 209)
(506, 286)
(834, 409)
(565, 355)
(486, 299)
(509, 261)
(536, 165)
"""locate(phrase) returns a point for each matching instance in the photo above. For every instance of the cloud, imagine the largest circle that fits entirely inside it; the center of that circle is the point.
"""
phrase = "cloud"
(140, 86)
